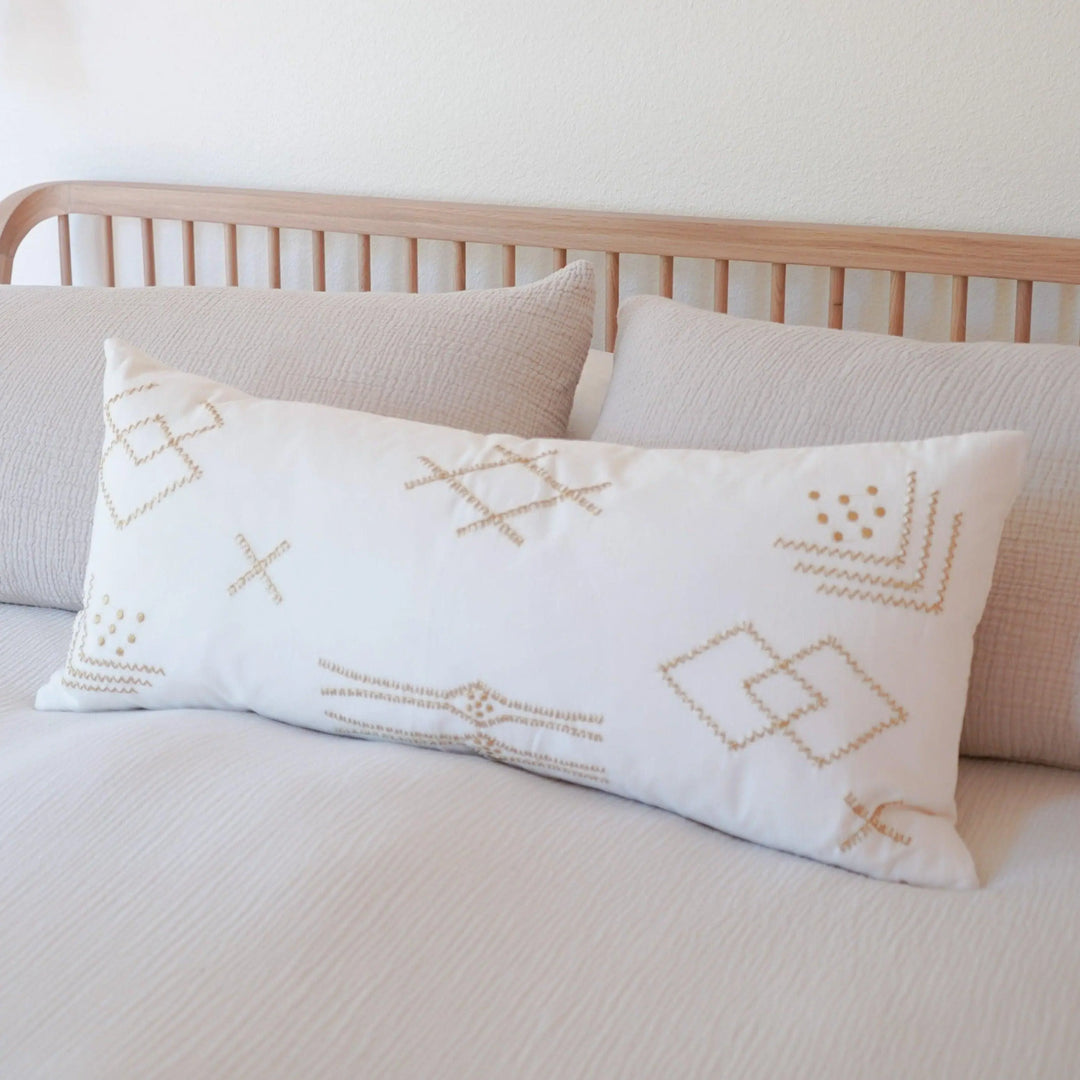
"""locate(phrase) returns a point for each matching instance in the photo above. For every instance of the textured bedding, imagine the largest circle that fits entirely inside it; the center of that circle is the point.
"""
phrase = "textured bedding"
(195, 893)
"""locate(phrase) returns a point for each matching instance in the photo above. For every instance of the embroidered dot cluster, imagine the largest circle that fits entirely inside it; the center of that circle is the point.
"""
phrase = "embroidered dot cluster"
(849, 514)
(108, 631)
(477, 703)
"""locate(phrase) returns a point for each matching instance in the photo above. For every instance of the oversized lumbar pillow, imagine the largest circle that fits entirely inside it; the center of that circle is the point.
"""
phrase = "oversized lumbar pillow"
(776, 644)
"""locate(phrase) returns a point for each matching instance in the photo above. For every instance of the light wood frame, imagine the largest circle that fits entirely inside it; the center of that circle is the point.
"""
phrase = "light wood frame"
(959, 255)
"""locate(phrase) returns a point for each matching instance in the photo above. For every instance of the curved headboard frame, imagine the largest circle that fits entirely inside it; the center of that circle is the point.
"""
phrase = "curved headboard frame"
(959, 255)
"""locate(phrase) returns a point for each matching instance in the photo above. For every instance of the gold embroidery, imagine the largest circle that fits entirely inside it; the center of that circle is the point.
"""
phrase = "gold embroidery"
(882, 588)
(475, 742)
(83, 671)
(258, 568)
(895, 714)
(775, 722)
(934, 608)
(872, 823)
(851, 515)
(878, 579)
(816, 700)
(499, 519)
(122, 440)
(482, 709)
(856, 555)
(837, 744)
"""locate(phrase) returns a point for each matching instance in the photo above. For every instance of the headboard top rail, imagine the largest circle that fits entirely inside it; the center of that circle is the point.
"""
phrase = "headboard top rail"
(959, 255)
(929, 251)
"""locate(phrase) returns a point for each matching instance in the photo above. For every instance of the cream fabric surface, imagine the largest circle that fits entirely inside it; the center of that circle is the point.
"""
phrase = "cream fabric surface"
(486, 360)
(751, 655)
(197, 894)
(685, 377)
(589, 396)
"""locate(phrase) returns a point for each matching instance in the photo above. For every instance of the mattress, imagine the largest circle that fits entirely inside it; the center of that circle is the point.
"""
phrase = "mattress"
(193, 893)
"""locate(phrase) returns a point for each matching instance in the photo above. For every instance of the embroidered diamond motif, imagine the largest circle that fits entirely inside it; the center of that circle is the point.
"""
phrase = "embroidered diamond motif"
(146, 455)
(782, 694)
(819, 698)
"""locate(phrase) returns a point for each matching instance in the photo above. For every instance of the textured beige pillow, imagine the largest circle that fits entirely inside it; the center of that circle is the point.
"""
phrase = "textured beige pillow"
(688, 378)
(504, 360)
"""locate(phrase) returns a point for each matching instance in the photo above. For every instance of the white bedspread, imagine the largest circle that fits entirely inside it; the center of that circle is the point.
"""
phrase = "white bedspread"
(197, 894)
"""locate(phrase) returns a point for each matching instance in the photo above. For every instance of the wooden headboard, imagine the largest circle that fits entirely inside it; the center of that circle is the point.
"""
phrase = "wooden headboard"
(958, 255)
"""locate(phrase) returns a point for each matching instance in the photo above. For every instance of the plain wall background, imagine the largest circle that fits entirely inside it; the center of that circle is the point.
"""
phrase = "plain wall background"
(963, 114)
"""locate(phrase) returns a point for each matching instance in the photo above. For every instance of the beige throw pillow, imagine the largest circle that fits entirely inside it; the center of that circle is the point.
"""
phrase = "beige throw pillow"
(503, 360)
(689, 378)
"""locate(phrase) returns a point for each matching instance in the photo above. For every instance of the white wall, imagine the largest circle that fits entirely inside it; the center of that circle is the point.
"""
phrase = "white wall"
(942, 113)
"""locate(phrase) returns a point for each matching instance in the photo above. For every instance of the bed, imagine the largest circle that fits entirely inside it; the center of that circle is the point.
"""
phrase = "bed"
(198, 893)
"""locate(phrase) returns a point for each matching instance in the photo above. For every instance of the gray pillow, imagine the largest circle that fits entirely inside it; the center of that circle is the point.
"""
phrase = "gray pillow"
(688, 378)
(496, 360)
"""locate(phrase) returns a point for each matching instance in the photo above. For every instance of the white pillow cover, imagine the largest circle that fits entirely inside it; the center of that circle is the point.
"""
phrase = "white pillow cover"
(776, 644)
